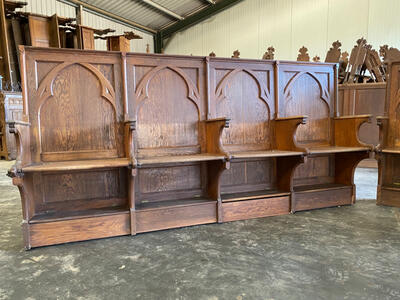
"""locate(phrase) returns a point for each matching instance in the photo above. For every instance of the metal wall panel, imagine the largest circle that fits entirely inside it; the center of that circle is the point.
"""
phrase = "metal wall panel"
(253, 25)
(96, 21)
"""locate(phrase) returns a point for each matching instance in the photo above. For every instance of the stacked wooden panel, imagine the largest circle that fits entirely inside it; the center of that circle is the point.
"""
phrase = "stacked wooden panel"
(120, 143)
(10, 110)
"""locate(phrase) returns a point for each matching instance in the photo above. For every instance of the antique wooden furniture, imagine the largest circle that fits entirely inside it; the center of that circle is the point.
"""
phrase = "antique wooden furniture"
(114, 143)
(356, 62)
(331, 142)
(363, 98)
(303, 54)
(388, 151)
(120, 42)
(10, 110)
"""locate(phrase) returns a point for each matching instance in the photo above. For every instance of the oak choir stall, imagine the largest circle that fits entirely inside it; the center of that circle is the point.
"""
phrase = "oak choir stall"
(114, 143)
(388, 151)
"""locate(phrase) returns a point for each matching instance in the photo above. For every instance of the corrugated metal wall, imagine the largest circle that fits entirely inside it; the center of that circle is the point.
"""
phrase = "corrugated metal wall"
(50, 7)
(96, 21)
(253, 25)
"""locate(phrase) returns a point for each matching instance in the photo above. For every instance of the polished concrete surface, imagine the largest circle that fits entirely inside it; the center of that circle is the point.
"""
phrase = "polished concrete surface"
(335, 253)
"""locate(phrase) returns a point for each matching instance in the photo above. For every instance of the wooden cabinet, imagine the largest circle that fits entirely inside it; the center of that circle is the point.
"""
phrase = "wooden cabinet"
(388, 151)
(10, 111)
(115, 143)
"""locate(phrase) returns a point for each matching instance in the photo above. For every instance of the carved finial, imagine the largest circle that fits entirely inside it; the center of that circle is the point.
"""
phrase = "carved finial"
(212, 54)
(316, 58)
(345, 56)
(303, 56)
(269, 54)
(333, 55)
(162, 50)
(147, 48)
(361, 41)
(383, 50)
(236, 54)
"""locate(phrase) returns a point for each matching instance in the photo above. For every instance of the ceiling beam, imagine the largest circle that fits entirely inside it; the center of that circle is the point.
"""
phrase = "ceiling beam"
(111, 15)
(163, 9)
(197, 17)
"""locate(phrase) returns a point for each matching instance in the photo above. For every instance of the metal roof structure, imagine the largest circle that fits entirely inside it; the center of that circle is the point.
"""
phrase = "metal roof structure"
(162, 18)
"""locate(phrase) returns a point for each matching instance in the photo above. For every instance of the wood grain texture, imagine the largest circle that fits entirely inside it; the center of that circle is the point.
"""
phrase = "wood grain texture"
(59, 232)
(153, 142)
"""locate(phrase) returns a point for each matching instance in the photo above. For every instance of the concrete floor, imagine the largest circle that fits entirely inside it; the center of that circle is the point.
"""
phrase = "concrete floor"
(336, 253)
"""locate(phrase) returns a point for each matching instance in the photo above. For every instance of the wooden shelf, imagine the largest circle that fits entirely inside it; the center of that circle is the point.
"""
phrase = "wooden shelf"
(172, 203)
(320, 187)
(269, 153)
(72, 215)
(391, 151)
(335, 149)
(253, 195)
(392, 187)
(179, 159)
(78, 165)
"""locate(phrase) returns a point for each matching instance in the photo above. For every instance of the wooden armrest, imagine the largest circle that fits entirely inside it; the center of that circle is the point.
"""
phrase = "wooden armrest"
(347, 128)
(22, 140)
(214, 128)
(130, 127)
(285, 133)
(382, 122)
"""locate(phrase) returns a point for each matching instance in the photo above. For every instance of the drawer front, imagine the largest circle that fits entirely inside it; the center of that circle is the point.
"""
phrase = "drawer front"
(250, 209)
(321, 199)
(158, 219)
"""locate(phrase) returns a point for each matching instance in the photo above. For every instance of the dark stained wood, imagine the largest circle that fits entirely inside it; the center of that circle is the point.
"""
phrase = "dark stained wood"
(388, 150)
(359, 99)
(144, 142)
(10, 111)
(310, 89)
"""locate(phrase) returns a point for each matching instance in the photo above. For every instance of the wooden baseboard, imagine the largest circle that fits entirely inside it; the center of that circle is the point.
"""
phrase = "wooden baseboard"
(59, 232)
(330, 197)
(257, 208)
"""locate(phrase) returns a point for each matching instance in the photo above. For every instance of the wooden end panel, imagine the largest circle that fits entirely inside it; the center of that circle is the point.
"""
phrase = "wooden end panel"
(323, 198)
(389, 197)
(51, 233)
(250, 209)
(173, 217)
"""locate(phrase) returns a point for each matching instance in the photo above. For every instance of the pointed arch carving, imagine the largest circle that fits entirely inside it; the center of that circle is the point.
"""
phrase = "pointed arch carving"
(324, 93)
(45, 89)
(142, 90)
(263, 92)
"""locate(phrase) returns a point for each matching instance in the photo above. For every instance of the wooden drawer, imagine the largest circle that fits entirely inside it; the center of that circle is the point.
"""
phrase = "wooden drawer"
(173, 217)
(322, 198)
(258, 208)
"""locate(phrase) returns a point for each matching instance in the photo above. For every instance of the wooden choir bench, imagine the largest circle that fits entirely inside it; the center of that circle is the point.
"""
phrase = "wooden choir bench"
(388, 151)
(115, 143)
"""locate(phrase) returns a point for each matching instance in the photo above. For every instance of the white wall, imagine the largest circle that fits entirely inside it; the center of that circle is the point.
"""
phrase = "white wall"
(50, 7)
(253, 25)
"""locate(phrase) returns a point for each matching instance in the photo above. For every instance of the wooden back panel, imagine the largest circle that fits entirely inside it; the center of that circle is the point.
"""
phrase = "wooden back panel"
(167, 99)
(308, 89)
(243, 92)
(74, 104)
(393, 107)
(44, 31)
